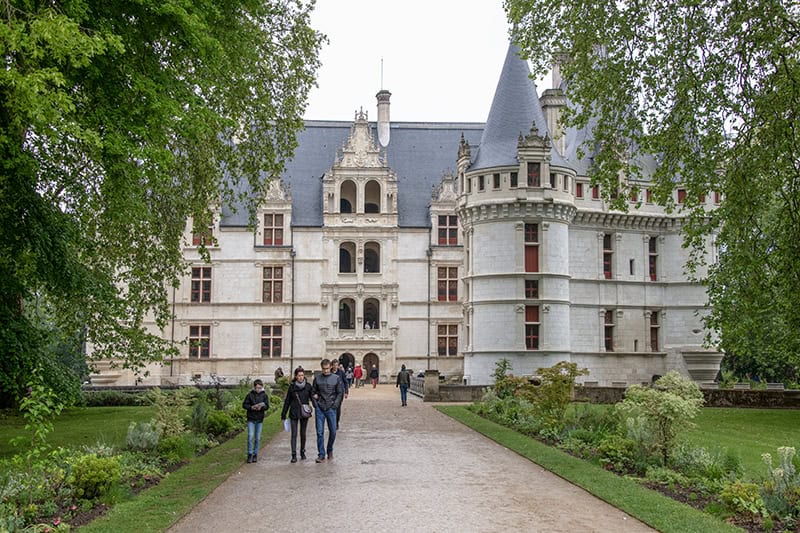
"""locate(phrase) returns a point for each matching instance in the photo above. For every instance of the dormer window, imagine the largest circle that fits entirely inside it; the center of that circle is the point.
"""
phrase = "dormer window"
(534, 174)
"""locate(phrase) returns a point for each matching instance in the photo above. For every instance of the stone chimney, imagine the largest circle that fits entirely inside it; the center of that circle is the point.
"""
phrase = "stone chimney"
(553, 101)
(383, 116)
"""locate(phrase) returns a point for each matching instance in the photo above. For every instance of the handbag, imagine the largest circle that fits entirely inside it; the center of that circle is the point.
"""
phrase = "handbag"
(305, 409)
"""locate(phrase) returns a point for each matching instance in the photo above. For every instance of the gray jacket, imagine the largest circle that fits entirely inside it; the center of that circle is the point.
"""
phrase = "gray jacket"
(329, 391)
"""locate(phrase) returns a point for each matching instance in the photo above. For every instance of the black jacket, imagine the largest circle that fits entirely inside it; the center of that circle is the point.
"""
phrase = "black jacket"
(404, 378)
(329, 390)
(253, 398)
(291, 403)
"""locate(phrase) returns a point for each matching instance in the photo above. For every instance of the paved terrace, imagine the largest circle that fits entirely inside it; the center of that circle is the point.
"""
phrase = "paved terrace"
(399, 468)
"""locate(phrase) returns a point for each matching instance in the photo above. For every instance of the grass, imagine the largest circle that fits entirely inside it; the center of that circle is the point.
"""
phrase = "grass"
(157, 508)
(652, 508)
(748, 433)
(78, 426)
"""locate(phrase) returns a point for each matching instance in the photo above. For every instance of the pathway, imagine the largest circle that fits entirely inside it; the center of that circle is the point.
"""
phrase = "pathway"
(400, 468)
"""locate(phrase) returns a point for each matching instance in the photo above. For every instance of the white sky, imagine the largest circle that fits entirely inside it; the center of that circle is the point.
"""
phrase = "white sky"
(441, 58)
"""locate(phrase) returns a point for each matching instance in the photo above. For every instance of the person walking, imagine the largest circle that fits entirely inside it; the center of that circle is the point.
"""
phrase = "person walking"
(373, 375)
(327, 395)
(337, 369)
(403, 381)
(297, 405)
(358, 376)
(349, 375)
(256, 403)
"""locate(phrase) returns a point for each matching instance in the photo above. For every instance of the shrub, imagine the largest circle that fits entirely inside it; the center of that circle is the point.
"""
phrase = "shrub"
(697, 462)
(198, 419)
(143, 436)
(741, 497)
(666, 476)
(92, 476)
(617, 453)
(111, 398)
(667, 408)
(781, 489)
(169, 410)
(552, 397)
(176, 448)
(219, 423)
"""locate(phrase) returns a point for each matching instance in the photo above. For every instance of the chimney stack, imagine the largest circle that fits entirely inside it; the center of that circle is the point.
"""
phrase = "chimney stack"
(383, 116)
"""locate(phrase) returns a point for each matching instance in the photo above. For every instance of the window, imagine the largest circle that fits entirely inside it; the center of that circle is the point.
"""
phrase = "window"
(716, 198)
(553, 180)
(271, 341)
(648, 196)
(372, 197)
(609, 331)
(596, 192)
(534, 174)
(681, 195)
(531, 327)
(348, 197)
(514, 179)
(634, 197)
(608, 256)
(481, 183)
(372, 314)
(631, 267)
(531, 248)
(347, 258)
(372, 257)
(448, 230)
(447, 340)
(654, 327)
(469, 185)
(702, 198)
(199, 341)
(201, 284)
(272, 290)
(565, 184)
(652, 257)
(347, 307)
(203, 237)
(579, 190)
(531, 288)
(448, 284)
(273, 230)
(495, 181)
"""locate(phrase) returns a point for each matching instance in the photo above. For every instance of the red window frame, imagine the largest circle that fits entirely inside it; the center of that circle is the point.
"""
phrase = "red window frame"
(652, 257)
(448, 230)
(531, 288)
(447, 284)
(273, 229)
(532, 325)
(531, 248)
(681, 196)
(608, 256)
(203, 237)
(534, 174)
(608, 330)
(579, 190)
(654, 327)
(447, 340)
(596, 192)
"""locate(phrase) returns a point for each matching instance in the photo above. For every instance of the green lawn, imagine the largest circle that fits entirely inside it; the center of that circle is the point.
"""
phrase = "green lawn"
(747, 432)
(79, 426)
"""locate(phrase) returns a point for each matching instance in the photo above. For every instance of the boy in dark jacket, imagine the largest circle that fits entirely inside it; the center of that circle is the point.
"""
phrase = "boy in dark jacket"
(256, 403)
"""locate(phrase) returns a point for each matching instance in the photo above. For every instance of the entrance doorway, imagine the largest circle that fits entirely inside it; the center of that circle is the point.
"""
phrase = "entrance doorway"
(369, 360)
(347, 360)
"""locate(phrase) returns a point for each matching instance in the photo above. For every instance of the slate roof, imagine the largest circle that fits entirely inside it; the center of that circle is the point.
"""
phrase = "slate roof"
(419, 153)
(515, 108)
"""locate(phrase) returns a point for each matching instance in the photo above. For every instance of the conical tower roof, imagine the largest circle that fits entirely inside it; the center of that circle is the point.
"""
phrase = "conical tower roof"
(514, 111)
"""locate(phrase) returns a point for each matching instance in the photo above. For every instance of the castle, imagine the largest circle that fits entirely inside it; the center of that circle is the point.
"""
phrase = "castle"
(444, 246)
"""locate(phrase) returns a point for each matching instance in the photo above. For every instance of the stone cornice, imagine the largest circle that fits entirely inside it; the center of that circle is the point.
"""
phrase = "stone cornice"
(637, 221)
(478, 213)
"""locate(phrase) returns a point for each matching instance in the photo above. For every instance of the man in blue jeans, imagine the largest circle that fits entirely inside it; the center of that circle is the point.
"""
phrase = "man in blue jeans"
(327, 394)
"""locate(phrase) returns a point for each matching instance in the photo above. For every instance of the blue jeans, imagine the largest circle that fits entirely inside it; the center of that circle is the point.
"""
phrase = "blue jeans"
(253, 436)
(320, 417)
(404, 394)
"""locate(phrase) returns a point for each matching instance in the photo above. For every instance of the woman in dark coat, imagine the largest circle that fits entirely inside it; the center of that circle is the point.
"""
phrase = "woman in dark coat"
(298, 396)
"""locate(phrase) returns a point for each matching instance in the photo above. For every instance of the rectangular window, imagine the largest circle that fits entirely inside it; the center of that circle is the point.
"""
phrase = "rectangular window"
(531, 288)
(469, 185)
(531, 248)
(648, 196)
(203, 237)
(634, 197)
(534, 174)
(199, 341)
(609, 331)
(716, 198)
(272, 291)
(654, 327)
(608, 256)
(532, 327)
(481, 183)
(447, 340)
(681, 195)
(553, 180)
(565, 184)
(496, 181)
(702, 198)
(273, 230)
(596, 192)
(514, 180)
(652, 257)
(201, 284)
(631, 266)
(448, 230)
(271, 341)
(579, 190)
(447, 284)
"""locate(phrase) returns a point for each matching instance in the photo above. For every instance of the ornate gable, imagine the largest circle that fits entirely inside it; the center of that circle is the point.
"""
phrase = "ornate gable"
(360, 149)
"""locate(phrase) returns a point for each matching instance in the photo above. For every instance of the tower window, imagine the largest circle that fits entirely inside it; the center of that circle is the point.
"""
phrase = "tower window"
(514, 180)
(531, 248)
(481, 183)
(534, 174)
(652, 257)
(495, 181)
(608, 256)
(608, 331)
(531, 288)
(532, 327)
(654, 329)
(579, 190)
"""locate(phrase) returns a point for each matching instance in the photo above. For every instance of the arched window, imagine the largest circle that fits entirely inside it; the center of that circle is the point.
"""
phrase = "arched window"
(372, 257)
(372, 314)
(347, 256)
(347, 308)
(372, 197)
(347, 197)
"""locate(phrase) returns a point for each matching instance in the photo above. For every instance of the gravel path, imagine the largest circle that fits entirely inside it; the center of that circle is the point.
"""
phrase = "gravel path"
(400, 468)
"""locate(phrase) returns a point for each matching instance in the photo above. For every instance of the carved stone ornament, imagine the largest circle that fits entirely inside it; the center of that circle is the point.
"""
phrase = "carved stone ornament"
(360, 149)
(446, 190)
(278, 191)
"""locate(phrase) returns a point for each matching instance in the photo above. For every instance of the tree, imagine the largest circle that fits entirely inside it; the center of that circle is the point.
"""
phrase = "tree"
(710, 90)
(119, 122)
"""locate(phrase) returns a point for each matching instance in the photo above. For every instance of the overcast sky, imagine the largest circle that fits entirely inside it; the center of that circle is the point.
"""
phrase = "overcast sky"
(441, 58)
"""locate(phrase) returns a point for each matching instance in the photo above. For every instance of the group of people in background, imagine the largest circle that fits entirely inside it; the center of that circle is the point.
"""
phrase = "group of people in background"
(324, 397)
